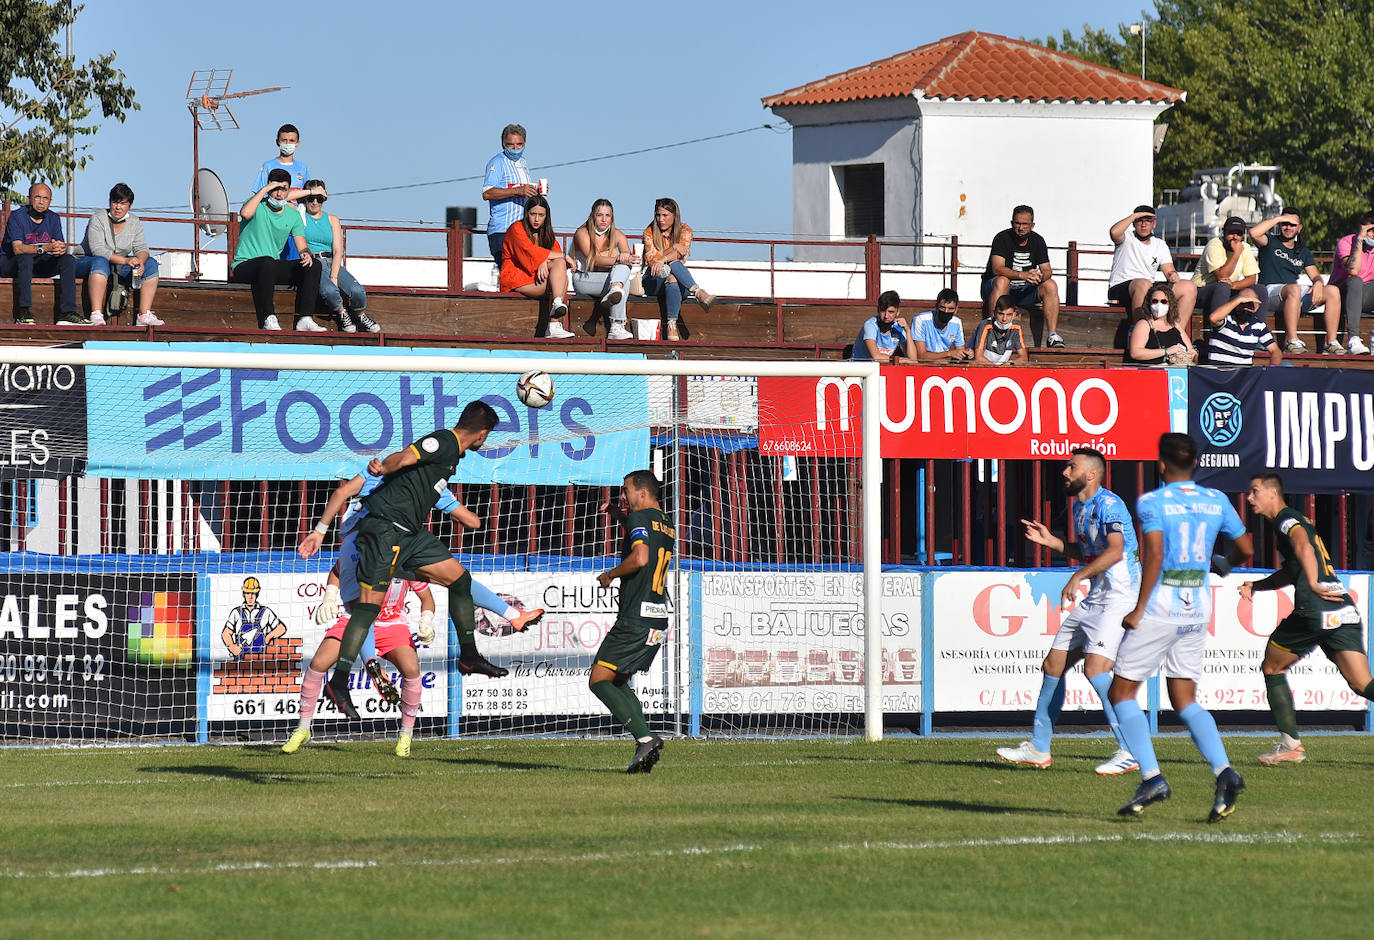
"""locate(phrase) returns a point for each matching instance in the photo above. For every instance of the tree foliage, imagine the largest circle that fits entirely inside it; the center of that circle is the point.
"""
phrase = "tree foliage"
(1278, 82)
(45, 95)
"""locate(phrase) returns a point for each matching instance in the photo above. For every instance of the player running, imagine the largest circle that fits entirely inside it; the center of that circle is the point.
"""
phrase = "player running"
(1179, 523)
(394, 643)
(641, 623)
(1323, 615)
(392, 537)
(1106, 546)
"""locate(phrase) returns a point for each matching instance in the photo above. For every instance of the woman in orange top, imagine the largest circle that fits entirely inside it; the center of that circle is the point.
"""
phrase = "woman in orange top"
(532, 263)
(666, 244)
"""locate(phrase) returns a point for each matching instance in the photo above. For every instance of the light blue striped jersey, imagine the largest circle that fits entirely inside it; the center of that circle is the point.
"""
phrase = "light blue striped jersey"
(1190, 517)
(354, 513)
(502, 171)
(1093, 520)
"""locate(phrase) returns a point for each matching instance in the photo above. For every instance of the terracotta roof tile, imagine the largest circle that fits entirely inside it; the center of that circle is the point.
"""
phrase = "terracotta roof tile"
(979, 66)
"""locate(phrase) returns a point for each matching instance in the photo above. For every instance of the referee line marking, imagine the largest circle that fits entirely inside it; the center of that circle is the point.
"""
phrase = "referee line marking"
(1281, 837)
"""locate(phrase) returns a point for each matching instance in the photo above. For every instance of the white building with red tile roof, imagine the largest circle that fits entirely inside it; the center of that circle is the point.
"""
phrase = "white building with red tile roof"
(945, 139)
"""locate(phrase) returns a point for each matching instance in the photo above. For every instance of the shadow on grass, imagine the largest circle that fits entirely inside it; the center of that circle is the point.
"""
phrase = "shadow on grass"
(258, 775)
(961, 806)
(503, 764)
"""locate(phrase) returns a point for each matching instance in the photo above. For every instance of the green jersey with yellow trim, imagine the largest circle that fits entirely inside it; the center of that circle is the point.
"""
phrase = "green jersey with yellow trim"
(1304, 600)
(643, 595)
(406, 497)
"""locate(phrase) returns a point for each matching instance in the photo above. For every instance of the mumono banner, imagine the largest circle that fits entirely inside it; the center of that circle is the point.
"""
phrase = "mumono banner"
(980, 413)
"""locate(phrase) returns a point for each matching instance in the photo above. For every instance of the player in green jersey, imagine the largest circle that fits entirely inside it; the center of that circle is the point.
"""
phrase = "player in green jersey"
(1323, 614)
(642, 621)
(392, 536)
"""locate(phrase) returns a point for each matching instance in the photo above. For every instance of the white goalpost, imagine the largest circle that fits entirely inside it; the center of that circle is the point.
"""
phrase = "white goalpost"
(154, 497)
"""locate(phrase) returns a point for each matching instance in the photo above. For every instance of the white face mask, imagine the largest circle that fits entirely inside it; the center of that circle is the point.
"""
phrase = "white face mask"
(999, 325)
(286, 149)
(275, 203)
(1159, 308)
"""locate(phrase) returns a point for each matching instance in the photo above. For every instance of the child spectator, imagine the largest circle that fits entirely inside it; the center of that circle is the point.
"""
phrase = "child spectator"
(1239, 332)
(885, 337)
(999, 340)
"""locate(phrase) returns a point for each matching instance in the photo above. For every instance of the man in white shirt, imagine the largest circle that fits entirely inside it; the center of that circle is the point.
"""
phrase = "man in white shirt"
(1142, 258)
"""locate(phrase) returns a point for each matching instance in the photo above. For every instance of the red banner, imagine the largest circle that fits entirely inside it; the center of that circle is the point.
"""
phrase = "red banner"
(1008, 414)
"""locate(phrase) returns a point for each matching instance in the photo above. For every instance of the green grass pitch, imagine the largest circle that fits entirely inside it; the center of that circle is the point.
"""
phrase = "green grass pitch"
(750, 838)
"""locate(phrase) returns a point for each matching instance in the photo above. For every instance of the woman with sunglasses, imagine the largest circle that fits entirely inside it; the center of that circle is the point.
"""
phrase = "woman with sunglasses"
(1283, 255)
(667, 242)
(532, 264)
(339, 290)
(1156, 339)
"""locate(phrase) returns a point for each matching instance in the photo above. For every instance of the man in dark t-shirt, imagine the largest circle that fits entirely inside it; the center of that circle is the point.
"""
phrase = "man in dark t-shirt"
(641, 625)
(1283, 256)
(33, 247)
(1323, 615)
(1019, 267)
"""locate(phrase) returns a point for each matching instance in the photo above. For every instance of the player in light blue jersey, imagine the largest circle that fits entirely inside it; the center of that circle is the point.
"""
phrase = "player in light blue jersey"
(1105, 544)
(1179, 524)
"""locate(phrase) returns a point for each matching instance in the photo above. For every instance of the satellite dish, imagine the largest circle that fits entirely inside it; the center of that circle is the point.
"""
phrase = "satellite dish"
(214, 202)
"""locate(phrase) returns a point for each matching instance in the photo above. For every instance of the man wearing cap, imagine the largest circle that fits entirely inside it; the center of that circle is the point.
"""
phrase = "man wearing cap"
(1140, 259)
(1228, 266)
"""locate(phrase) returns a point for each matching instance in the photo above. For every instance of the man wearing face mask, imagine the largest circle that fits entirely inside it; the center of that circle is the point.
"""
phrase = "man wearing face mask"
(1352, 273)
(1139, 260)
(267, 223)
(885, 337)
(506, 186)
(939, 334)
(288, 139)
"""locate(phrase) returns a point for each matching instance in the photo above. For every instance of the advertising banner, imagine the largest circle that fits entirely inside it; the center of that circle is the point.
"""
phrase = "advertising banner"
(794, 642)
(263, 631)
(549, 663)
(993, 630)
(979, 413)
(110, 655)
(1314, 427)
(264, 424)
(42, 421)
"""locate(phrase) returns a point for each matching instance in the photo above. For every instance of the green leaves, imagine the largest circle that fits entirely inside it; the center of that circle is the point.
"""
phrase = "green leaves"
(45, 96)
(1280, 82)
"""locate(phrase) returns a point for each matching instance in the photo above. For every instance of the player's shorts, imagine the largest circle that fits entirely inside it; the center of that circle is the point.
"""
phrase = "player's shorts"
(1094, 625)
(387, 634)
(1178, 647)
(630, 647)
(383, 550)
(1335, 631)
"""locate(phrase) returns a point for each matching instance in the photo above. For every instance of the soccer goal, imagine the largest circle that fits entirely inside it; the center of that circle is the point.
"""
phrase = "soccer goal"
(153, 501)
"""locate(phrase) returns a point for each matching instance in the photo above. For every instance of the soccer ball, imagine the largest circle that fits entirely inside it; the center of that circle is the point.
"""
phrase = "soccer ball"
(535, 388)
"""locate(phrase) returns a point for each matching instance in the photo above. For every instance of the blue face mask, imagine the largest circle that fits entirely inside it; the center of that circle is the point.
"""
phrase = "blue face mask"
(1368, 242)
(515, 153)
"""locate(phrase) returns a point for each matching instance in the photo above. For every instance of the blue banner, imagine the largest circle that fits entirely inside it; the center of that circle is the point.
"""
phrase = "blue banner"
(1314, 427)
(267, 424)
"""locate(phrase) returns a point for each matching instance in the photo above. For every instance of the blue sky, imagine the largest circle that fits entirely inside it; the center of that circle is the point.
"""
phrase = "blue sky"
(388, 95)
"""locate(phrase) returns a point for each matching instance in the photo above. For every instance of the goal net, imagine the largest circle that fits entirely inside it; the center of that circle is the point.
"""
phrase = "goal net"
(154, 500)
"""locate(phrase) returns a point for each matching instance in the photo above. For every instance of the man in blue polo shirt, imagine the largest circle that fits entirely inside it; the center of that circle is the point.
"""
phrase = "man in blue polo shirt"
(939, 335)
(34, 248)
(506, 186)
(885, 337)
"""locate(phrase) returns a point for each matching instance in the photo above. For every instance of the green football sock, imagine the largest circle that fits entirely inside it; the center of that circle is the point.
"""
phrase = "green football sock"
(610, 695)
(1369, 691)
(462, 613)
(359, 622)
(636, 723)
(1281, 704)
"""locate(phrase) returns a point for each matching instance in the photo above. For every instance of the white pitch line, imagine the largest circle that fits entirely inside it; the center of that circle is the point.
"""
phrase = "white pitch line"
(1202, 838)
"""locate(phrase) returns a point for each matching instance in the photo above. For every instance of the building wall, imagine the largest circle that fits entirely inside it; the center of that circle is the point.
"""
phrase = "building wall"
(956, 168)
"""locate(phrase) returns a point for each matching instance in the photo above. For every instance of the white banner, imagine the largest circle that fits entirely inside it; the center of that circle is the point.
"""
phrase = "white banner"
(258, 651)
(793, 642)
(993, 629)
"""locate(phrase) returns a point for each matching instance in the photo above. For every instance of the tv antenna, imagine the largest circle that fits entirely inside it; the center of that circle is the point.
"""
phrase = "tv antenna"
(205, 97)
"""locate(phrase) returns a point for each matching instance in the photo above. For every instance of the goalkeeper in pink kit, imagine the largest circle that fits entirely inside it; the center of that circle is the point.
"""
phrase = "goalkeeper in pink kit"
(391, 634)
